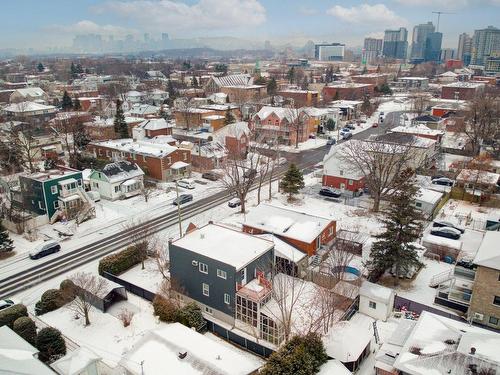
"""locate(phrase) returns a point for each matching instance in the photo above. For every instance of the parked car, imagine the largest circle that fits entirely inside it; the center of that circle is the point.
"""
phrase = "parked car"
(350, 126)
(375, 125)
(282, 161)
(347, 135)
(186, 183)
(444, 181)
(312, 136)
(212, 176)
(235, 202)
(381, 113)
(183, 198)
(250, 173)
(331, 141)
(345, 129)
(46, 248)
(444, 223)
(446, 232)
(6, 303)
(330, 192)
(437, 176)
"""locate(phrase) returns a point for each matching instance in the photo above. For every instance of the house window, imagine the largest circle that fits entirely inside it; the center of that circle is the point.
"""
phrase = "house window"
(418, 204)
(56, 205)
(53, 189)
(185, 155)
(79, 182)
(372, 305)
(227, 299)
(134, 156)
(40, 205)
(493, 320)
(246, 310)
(206, 289)
(341, 172)
(351, 182)
(202, 267)
(330, 231)
(208, 310)
(222, 274)
(496, 300)
(117, 189)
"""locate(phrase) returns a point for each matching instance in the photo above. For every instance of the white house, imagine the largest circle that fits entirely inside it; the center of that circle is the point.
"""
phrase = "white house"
(118, 180)
(376, 301)
(427, 201)
(81, 361)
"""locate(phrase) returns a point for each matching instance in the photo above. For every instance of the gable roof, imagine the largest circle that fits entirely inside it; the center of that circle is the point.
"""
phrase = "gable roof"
(233, 80)
(155, 124)
(121, 171)
(488, 254)
(289, 114)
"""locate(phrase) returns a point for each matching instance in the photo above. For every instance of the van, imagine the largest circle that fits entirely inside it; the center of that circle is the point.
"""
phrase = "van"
(186, 183)
(46, 248)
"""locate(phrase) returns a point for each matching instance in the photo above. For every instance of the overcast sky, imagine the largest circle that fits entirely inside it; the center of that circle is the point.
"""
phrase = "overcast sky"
(35, 23)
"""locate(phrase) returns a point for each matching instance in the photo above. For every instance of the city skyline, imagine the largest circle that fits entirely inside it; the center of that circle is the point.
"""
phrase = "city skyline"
(54, 24)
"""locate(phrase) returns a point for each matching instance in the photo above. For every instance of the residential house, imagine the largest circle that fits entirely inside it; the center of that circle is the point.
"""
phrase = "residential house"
(347, 109)
(207, 156)
(93, 104)
(159, 161)
(134, 96)
(375, 79)
(282, 124)
(118, 180)
(55, 193)
(420, 130)
(338, 175)
(17, 356)
(432, 122)
(209, 265)
(191, 118)
(143, 111)
(317, 118)
(238, 87)
(301, 98)
(411, 83)
(428, 201)
(31, 112)
(434, 344)
(29, 94)
(376, 301)
(305, 231)
(221, 109)
(154, 127)
(461, 90)
(478, 183)
(235, 137)
(346, 91)
(184, 351)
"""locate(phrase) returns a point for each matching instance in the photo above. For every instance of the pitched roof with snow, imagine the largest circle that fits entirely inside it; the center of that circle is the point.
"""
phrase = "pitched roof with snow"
(224, 244)
(286, 222)
(236, 129)
(233, 80)
(155, 124)
(488, 254)
(143, 147)
(333, 165)
(121, 171)
(31, 91)
(376, 292)
(289, 114)
(28, 107)
(480, 177)
(418, 129)
(75, 362)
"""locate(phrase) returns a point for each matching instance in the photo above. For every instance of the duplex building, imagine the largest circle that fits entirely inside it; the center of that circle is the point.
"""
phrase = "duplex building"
(118, 180)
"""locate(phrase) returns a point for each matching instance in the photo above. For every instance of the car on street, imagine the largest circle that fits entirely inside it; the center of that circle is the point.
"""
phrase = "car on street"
(345, 129)
(375, 125)
(447, 224)
(282, 161)
(444, 181)
(6, 303)
(44, 249)
(312, 136)
(235, 202)
(331, 141)
(346, 135)
(183, 198)
(250, 173)
(446, 232)
(212, 176)
(327, 191)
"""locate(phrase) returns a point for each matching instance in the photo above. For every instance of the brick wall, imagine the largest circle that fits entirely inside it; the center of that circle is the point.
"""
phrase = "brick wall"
(486, 287)
(336, 182)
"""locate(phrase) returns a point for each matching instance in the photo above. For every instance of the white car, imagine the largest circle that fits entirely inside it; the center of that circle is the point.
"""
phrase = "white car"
(186, 183)
(6, 303)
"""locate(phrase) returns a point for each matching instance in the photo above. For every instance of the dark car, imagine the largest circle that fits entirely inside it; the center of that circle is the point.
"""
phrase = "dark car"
(350, 126)
(250, 173)
(44, 249)
(443, 223)
(212, 176)
(345, 129)
(183, 198)
(347, 135)
(444, 181)
(446, 232)
(330, 192)
(437, 177)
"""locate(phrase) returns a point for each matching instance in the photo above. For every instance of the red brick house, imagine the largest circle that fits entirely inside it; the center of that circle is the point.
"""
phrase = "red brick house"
(235, 137)
(304, 231)
(301, 98)
(346, 91)
(461, 90)
(155, 127)
(284, 123)
(376, 79)
(340, 176)
(159, 161)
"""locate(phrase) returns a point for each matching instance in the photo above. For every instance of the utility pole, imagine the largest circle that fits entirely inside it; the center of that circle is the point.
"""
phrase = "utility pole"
(142, 367)
(179, 217)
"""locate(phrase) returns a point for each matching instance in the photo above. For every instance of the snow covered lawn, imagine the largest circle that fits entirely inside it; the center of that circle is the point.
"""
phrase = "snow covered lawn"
(148, 278)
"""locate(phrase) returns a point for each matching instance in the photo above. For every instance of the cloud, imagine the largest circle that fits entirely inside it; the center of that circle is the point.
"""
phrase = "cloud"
(376, 35)
(90, 27)
(161, 15)
(376, 14)
(307, 11)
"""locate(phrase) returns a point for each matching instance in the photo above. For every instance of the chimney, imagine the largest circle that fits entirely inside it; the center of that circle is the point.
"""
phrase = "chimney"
(472, 350)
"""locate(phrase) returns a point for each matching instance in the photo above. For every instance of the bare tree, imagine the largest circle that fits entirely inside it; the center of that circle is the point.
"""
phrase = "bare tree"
(381, 163)
(419, 103)
(295, 122)
(185, 108)
(147, 190)
(341, 252)
(160, 255)
(87, 288)
(27, 144)
(475, 172)
(142, 237)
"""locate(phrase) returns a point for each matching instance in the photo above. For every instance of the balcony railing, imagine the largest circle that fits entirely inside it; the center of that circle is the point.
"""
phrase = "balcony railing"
(464, 273)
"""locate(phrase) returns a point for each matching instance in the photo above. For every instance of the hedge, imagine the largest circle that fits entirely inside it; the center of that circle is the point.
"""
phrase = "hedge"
(168, 311)
(10, 315)
(51, 300)
(121, 261)
(26, 328)
(51, 344)
(190, 315)
(165, 309)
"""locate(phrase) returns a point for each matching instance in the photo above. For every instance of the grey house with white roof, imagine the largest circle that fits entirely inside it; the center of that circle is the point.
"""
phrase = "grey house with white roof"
(209, 265)
(118, 180)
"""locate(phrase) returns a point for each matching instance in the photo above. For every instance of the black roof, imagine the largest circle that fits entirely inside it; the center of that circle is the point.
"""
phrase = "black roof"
(118, 167)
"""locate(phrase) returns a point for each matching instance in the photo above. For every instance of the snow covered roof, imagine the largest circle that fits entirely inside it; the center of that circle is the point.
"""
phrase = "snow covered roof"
(179, 165)
(488, 254)
(346, 340)
(334, 367)
(439, 345)
(17, 356)
(142, 147)
(233, 80)
(318, 112)
(122, 171)
(283, 249)
(473, 85)
(286, 222)
(376, 292)
(236, 129)
(224, 245)
(75, 362)
(155, 124)
(456, 141)
(28, 107)
(481, 177)
(31, 91)
(289, 114)
(144, 109)
(134, 94)
(333, 165)
(449, 74)
(417, 129)
(429, 196)
(160, 350)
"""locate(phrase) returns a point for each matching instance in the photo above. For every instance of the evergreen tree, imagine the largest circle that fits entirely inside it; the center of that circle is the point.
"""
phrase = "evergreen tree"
(40, 67)
(385, 89)
(6, 244)
(50, 343)
(26, 328)
(291, 75)
(171, 90)
(195, 82)
(365, 70)
(66, 103)
(394, 248)
(229, 118)
(121, 128)
(272, 87)
(73, 70)
(330, 125)
(77, 105)
(292, 182)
